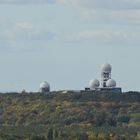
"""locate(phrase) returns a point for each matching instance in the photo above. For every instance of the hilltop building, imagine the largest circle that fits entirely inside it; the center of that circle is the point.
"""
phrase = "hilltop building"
(44, 87)
(107, 83)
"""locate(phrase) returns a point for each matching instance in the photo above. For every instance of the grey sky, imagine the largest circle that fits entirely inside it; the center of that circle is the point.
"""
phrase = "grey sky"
(65, 41)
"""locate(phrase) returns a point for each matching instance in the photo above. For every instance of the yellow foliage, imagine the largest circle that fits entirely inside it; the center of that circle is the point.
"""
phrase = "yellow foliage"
(58, 109)
(92, 135)
(41, 113)
(102, 135)
(66, 103)
(25, 108)
(138, 135)
(134, 124)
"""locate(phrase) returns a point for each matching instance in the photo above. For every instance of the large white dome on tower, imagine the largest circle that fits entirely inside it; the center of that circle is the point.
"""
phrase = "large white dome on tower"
(111, 83)
(94, 84)
(106, 68)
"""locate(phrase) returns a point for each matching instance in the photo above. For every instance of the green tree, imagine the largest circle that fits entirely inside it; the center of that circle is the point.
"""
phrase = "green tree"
(82, 136)
(36, 137)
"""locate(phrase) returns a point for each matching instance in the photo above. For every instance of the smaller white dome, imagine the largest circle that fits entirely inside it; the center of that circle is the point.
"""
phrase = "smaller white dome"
(106, 68)
(94, 84)
(111, 83)
(44, 87)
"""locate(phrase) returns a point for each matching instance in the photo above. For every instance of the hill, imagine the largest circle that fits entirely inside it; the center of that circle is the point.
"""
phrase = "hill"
(69, 116)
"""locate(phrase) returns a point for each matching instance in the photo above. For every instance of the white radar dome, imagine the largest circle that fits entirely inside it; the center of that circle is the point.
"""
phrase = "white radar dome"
(44, 87)
(106, 68)
(94, 84)
(111, 83)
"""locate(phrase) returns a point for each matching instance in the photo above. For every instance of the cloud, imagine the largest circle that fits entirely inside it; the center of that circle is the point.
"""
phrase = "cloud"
(122, 16)
(25, 31)
(24, 26)
(103, 4)
(129, 16)
(25, 1)
(119, 11)
(124, 11)
(23, 36)
(104, 37)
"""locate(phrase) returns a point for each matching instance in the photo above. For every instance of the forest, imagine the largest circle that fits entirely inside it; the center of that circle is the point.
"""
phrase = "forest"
(70, 116)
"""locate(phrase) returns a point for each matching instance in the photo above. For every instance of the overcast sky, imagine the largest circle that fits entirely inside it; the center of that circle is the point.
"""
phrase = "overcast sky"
(65, 42)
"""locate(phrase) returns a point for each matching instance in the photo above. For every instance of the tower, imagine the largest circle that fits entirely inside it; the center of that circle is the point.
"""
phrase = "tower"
(105, 74)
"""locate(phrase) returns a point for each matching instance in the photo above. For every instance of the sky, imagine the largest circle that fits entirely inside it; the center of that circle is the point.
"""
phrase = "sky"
(65, 42)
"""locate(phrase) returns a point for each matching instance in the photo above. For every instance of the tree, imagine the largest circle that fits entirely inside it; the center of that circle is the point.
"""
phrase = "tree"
(36, 137)
(50, 134)
(123, 118)
(82, 136)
